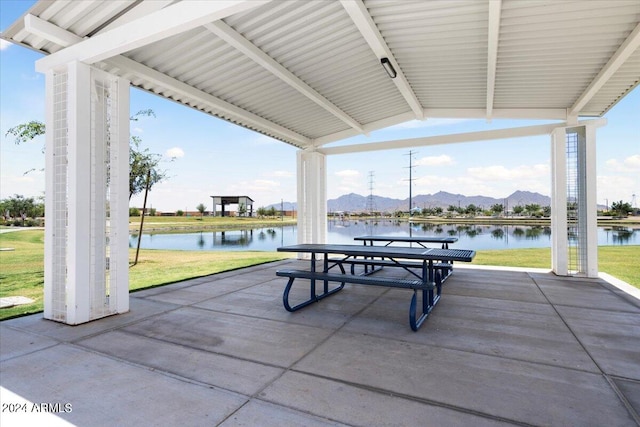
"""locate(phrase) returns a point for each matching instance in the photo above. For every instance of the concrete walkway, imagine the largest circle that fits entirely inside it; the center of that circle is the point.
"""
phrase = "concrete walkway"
(501, 348)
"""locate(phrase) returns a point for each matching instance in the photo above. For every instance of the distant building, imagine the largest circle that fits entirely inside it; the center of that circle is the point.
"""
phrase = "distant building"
(223, 201)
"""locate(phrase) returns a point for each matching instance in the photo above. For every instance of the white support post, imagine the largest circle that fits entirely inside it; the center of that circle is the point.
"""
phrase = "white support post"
(591, 203)
(573, 202)
(79, 192)
(559, 245)
(312, 197)
(87, 193)
(53, 306)
(119, 188)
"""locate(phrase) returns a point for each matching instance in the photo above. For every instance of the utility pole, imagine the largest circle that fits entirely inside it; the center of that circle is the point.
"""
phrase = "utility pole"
(411, 179)
(370, 203)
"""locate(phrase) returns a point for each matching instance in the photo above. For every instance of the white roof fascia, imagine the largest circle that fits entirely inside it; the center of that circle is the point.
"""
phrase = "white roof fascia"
(456, 138)
(622, 54)
(167, 22)
(233, 38)
(492, 52)
(363, 21)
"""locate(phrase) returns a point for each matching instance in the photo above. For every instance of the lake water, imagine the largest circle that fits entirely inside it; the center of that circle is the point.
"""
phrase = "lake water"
(477, 237)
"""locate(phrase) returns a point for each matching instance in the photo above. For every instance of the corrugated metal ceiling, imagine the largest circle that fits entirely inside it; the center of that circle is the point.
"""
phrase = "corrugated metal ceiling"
(548, 54)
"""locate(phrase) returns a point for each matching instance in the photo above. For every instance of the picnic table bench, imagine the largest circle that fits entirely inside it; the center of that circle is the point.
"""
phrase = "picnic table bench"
(427, 280)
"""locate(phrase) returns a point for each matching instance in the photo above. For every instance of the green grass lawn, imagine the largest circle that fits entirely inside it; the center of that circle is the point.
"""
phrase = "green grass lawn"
(22, 269)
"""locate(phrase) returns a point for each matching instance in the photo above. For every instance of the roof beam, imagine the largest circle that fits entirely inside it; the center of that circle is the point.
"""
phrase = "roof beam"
(495, 8)
(451, 113)
(50, 32)
(138, 11)
(456, 138)
(66, 38)
(167, 22)
(363, 21)
(622, 54)
(235, 39)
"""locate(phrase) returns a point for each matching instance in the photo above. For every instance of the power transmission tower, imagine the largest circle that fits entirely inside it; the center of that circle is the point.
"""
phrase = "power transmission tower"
(371, 206)
(411, 178)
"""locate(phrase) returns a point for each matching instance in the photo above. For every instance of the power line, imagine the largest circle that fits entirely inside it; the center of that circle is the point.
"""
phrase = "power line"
(411, 178)
(371, 207)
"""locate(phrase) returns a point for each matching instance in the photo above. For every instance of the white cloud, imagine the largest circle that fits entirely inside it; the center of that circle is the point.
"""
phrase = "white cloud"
(4, 44)
(137, 130)
(281, 174)
(442, 160)
(499, 173)
(615, 188)
(630, 164)
(265, 140)
(174, 153)
(633, 162)
(348, 173)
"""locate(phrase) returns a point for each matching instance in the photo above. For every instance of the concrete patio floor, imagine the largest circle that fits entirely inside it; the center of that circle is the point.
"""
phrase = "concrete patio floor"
(501, 348)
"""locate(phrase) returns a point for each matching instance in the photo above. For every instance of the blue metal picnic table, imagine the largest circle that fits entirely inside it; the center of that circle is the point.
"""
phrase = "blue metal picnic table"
(428, 276)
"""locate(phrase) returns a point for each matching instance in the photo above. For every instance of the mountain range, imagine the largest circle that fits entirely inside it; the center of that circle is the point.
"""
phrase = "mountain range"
(357, 203)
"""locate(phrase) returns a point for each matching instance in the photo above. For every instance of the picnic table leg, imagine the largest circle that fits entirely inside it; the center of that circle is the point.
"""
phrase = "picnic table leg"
(416, 321)
(313, 281)
(312, 285)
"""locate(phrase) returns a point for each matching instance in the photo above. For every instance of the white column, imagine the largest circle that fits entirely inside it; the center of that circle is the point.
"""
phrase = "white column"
(79, 193)
(573, 158)
(312, 197)
(559, 238)
(590, 214)
(87, 192)
(119, 209)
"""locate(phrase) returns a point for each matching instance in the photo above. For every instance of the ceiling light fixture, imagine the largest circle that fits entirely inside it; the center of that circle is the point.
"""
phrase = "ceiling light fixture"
(388, 67)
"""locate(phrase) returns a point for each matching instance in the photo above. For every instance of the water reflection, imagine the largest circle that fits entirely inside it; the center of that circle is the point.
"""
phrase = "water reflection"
(470, 236)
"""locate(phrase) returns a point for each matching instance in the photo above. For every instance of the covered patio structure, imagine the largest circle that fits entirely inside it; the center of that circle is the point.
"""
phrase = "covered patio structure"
(310, 74)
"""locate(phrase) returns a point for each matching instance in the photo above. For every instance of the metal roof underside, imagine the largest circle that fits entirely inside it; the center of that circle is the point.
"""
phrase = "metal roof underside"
(309, 73)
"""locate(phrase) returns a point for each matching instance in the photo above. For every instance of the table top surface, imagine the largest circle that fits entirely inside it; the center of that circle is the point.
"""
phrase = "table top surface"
(416, 239)
(384, 251)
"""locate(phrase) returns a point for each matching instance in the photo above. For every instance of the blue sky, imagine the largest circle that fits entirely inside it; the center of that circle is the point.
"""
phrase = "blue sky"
(213, 157)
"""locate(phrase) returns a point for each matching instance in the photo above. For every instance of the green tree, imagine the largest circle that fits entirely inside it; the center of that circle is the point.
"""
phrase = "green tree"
(518, 210)
(261, 211)
(533, 209)
(471, 209)
(497, 208)
(20, 207)
(621, 208)
(201, 208)
(242, 209)
(140, 159)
